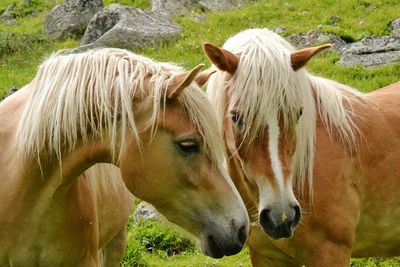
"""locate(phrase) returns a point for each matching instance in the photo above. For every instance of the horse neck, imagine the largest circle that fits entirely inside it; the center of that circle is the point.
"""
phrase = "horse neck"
(94, 149)
(247, 191)
(27, 185)
(339, 107)
(68, 161)
(82, 157)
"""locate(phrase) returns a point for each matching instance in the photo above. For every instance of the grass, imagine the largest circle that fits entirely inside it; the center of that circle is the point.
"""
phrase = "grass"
(375, 262)
(196, 259)
(142, 4)
(365, 19)
(159, 244)
(23, 46)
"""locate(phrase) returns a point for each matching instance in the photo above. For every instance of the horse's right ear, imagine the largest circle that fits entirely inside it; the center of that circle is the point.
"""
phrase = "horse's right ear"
(203, 77)
(223, 59)
(178, 82)
(301, 57)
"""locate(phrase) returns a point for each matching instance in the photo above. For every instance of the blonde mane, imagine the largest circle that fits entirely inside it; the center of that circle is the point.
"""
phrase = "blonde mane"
(77, 96)
(265, 89)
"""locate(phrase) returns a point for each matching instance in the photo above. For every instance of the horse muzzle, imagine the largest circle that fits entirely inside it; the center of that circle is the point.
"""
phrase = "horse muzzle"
(280, 223)
(215, 244)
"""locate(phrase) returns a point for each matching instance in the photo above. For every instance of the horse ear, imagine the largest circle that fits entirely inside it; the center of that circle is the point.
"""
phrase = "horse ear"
(223, 59)
(203, 77)
(180, 81)
(301, 57)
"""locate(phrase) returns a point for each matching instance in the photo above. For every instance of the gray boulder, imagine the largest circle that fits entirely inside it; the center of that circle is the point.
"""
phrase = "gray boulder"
(279, 29)
(70, 18)
(181, 7)
(174, 7)
(394, 27)
(311, 38)
(371, 51)
(145, 212)
(128, 27)
(222, 5)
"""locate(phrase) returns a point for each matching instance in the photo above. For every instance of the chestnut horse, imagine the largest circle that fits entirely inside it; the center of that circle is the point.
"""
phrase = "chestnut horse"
(294, 140)
(110, 106)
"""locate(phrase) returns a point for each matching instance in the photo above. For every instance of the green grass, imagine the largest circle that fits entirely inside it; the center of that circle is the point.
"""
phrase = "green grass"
(159, 244)
(366, 18)
(376, 262)
(196, 259)
(142, 4)
(23, 46)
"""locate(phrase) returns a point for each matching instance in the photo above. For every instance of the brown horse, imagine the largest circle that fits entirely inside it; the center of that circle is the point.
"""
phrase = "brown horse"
(110, 106)
(299, 140)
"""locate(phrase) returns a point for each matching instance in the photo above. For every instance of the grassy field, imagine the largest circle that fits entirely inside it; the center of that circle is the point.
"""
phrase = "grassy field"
(23, 47)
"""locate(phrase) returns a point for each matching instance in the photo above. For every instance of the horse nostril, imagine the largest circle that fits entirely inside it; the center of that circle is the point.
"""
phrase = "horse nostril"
(297, 215)
(266, 220)
(264, 214)
(242, 235)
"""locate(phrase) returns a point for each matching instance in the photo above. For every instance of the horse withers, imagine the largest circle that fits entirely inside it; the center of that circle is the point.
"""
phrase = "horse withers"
(307, 153)
(110, 106)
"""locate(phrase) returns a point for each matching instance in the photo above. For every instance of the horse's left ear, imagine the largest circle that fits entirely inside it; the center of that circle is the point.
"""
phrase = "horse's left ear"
(223, 59)
(301, 57)
(180, 81)
(203, 77)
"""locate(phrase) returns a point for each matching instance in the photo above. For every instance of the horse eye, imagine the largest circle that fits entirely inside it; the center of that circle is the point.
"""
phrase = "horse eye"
(189, 147)
(237, 119)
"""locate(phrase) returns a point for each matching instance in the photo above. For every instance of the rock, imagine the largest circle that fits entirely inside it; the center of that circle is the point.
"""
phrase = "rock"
(371, 51)
(102, 22)
(128, 27)
(174, 7)
(311, 38)
(279, 29)
(181, 7)
(198, 18)
(395, 27)
(70, 18)
(222, 5)
(145, 212)
(7, 15)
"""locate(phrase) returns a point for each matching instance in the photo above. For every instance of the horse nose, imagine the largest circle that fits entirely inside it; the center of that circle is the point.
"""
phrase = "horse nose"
(242, 235)
(280, 223)
(226, 246)
(239, 239)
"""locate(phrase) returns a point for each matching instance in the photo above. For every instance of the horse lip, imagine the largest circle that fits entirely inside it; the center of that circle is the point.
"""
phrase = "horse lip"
(278, 233)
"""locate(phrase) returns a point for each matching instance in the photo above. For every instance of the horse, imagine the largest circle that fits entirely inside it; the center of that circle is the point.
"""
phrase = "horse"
(63, 137)
(315, 161)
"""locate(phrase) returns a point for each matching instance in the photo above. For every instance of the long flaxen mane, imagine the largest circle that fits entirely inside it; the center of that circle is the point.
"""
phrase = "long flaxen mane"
(76, 96)
(265, 89)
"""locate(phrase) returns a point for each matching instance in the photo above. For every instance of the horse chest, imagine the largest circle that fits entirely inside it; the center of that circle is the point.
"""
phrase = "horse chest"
(49, 233)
